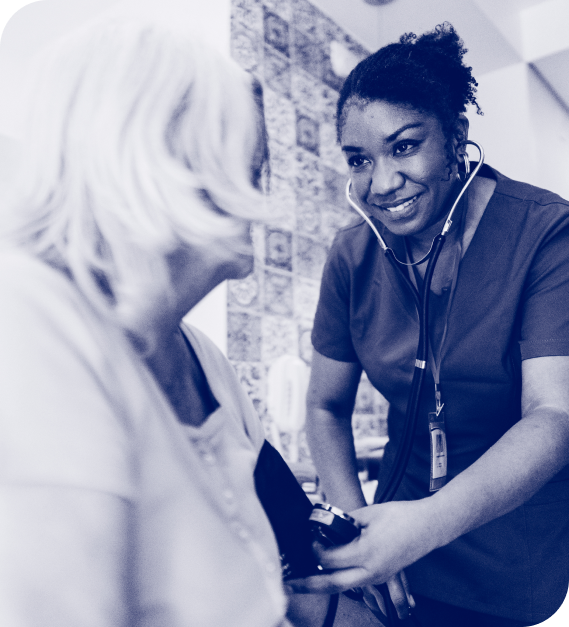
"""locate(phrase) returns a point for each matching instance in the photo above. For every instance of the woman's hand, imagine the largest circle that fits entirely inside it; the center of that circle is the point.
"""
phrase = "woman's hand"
(393, 536)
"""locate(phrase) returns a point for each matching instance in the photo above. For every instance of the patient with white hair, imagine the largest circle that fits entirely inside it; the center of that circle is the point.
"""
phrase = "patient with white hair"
(127, 446)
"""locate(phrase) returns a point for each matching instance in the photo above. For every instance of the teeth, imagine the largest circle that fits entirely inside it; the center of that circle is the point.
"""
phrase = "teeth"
(402, 205)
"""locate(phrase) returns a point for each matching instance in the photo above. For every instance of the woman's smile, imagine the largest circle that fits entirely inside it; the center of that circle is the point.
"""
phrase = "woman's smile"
(398, 207)
(399, 165)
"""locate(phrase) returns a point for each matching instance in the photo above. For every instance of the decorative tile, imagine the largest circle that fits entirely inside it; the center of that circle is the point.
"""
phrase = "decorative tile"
(310, 258)
(244, 336)
(277, 72)
(245, 47)
(308, 217)
(330, 151)
(244, 292)
(284, 442)
(307, 133)
(309, 180)
(365, 426)
(276, 32)
(280, 118)
(307, 53)
(328, 75)
(278, 246)
(334, 188)
(249, 13)
(278, 294)
(303, 450)
(307, 18)
(365, 397)
(282, 8)
(329, 98)
(305, 342)
(251, 377)
(286, 44)
(281, 158)
(306, 292)
(330, 30)
(381, 407)
(307, 94)
(281, 203)
(271, 430)
(355, 48)
(335, 218)
(279, 338)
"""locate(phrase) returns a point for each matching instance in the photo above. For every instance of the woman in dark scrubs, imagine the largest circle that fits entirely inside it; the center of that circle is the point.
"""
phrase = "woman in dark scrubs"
(484, 543)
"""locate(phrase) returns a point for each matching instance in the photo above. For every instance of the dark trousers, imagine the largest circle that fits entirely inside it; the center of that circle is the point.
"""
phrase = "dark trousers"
(429, 613)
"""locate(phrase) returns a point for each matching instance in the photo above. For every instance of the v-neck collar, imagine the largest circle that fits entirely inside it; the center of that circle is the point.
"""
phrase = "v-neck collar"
(491, 232)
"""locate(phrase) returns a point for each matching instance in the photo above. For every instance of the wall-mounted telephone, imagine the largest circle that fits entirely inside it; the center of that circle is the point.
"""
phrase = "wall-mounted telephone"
(287, 384)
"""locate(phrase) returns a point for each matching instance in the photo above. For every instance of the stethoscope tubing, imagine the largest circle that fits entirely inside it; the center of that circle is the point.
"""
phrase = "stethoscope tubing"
(403, 454)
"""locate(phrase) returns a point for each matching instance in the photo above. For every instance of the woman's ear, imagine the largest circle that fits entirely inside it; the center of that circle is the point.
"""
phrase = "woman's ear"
(461, 128)
(460, 135)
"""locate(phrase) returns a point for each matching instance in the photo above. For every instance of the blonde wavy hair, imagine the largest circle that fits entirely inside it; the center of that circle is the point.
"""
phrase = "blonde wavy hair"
(140, 139)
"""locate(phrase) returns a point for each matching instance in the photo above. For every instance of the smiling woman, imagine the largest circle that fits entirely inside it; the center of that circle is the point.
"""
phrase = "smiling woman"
(398, 166)
(480, 520)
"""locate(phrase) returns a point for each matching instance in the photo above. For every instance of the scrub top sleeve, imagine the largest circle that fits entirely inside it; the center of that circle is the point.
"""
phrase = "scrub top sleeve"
(545, 319)
(331, 331)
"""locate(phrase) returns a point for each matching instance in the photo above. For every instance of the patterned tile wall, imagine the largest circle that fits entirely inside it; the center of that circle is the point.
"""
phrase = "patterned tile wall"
(286, 45)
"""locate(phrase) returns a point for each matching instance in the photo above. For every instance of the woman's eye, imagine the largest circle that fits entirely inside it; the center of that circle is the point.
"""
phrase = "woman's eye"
(403, 147)
(356, 161)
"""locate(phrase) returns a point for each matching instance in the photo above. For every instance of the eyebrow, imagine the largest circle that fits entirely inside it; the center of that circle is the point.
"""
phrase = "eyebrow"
(388, 139)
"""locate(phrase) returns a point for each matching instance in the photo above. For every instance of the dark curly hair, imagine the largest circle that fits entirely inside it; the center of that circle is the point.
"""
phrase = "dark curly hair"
(425, 72)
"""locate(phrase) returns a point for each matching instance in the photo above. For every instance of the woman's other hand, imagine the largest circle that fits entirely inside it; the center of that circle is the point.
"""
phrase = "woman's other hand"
(399, 593)
(393, 536)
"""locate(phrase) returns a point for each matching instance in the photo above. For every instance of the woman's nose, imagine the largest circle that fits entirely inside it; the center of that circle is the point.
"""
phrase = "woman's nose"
(386, 179)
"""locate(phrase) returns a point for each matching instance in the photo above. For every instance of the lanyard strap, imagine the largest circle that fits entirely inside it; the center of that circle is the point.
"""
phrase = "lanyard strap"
(435, 361)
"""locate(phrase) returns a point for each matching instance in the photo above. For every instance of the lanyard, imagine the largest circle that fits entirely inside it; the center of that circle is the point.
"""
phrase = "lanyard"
(435, 360)
(436, 419)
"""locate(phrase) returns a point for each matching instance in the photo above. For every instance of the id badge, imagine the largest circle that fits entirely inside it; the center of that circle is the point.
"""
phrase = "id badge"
(438, 451)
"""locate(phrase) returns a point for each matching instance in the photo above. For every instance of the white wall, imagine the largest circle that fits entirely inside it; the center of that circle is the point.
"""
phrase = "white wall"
(505, 130)
(524, 130)
(551, 127)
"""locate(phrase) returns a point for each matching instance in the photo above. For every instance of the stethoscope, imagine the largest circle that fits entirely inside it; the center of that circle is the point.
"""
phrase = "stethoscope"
(422, 302)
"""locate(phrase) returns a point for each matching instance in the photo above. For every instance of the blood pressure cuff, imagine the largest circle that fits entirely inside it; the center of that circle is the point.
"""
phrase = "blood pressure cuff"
(288, 510)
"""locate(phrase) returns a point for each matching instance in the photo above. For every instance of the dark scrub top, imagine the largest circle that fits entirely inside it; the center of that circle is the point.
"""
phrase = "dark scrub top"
(511, 303)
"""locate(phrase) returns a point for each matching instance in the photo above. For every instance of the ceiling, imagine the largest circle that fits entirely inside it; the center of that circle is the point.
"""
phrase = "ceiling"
(497, 33)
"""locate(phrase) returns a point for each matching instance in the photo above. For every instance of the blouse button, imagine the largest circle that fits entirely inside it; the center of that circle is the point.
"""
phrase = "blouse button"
(241, 531)
(209, 459)
(228, 496)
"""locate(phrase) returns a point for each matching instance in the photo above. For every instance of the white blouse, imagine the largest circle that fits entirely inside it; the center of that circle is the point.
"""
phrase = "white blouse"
(112, 512)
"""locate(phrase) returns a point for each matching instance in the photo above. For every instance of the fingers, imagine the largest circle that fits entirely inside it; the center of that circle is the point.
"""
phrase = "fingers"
(405, 583)
(399, 597)
(329, 583)
(339, 557)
